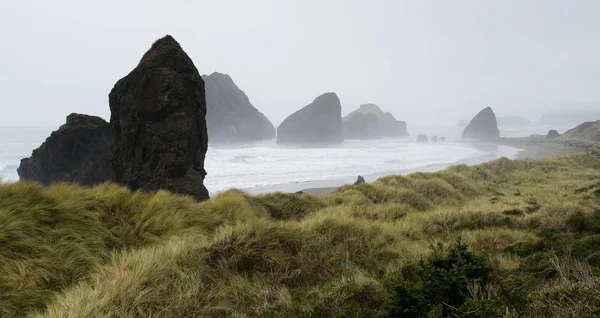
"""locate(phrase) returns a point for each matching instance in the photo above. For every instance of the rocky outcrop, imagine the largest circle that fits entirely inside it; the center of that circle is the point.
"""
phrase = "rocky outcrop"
(317, 123)
(392, 127)
(589, 131)
(434, 139)
(230, 117)
(79, 151)
(360, 180)
(422, 139)
(552, 134)
(442, 139)
(159, 128)
(483, 126)
(361, 126)
(369, 121)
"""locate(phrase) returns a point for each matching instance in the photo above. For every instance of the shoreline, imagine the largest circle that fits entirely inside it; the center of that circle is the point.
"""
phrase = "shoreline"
(525, 148)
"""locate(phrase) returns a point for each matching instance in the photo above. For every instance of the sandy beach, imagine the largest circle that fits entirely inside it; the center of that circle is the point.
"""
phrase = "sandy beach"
(513, 148)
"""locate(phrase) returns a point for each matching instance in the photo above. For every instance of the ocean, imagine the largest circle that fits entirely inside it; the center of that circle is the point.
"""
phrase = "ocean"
(266, 166)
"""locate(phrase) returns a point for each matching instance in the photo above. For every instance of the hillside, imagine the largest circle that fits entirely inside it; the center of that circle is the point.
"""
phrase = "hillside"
(587, 131)
(520, 238)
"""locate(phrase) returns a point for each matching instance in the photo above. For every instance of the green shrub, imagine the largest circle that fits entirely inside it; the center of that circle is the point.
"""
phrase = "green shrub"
(444, 280)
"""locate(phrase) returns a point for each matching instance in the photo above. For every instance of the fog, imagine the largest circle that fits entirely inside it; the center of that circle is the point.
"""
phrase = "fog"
(427, 62)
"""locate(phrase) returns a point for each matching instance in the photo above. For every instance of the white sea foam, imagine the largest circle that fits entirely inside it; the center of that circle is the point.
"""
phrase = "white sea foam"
(266, 165)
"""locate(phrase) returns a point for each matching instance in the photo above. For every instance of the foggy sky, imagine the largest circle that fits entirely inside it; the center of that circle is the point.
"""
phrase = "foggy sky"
(423, 60)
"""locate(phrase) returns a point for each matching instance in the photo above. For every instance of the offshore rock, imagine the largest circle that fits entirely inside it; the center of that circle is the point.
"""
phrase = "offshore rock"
(158, 117)
(320, 122)
(79, 151)
(230, 117)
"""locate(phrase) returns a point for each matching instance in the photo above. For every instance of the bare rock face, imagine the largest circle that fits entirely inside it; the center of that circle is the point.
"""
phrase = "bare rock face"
(79, 151)
(317, 123)
(230, 116)
(552, 134)
(483, 126)
(158, 117)
(434, 139)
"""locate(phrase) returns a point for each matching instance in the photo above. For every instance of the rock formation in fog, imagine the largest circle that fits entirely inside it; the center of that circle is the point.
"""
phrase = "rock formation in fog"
(79, 151)
(361, 126)
(552, 134)
(442, 139)
(159, 127)
(513, 122)
(483, 126)
(317, 123)
(587, 131)
(230, 117)
(422, 139)
(369, 121)
(434, 139)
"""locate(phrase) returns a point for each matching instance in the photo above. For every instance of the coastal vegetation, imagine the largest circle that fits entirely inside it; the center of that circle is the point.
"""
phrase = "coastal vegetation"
(507, 238)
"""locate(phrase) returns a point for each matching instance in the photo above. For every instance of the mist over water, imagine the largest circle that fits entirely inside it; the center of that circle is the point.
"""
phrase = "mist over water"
(266, 166)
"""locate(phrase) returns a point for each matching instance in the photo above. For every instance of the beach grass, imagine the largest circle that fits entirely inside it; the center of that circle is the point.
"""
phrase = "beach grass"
(363, 250)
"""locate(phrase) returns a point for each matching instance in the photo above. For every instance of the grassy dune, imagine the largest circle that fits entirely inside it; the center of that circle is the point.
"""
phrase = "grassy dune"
(531, 230)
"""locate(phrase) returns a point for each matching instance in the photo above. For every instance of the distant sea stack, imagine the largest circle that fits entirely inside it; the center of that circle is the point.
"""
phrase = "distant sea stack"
(79, 151)
(158, 117)
(369, 121)
(230, 117)
(317, 123)
(552, 134)
(587, 131)
(483, 126)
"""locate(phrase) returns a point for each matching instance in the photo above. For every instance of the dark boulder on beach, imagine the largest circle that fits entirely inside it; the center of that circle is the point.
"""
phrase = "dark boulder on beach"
(552, 134)
(320, 122)
(158, 117)
(79, 151)
(422, 139)
(360, 180)
(483, 126)
(230, 117)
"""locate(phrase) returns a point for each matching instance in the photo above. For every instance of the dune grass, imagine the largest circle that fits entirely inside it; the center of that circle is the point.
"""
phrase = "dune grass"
(69, 251)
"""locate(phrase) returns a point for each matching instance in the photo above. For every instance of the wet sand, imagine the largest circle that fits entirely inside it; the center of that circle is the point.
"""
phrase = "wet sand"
(534, 149)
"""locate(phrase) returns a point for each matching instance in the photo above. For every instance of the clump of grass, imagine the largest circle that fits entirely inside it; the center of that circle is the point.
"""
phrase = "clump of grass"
(69, 251)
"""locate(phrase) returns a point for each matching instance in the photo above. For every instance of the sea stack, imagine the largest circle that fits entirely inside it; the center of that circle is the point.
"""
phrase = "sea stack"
(317, 123)
(158, 118)
(79, 151)
(552, 134)
(230, 117)
(369, 121)
(483, 126)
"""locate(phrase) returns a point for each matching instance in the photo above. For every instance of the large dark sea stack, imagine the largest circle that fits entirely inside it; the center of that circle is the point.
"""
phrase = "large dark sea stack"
(158, 117)
(483, 126)
(317, 123)
(230, 115)
(79, 151)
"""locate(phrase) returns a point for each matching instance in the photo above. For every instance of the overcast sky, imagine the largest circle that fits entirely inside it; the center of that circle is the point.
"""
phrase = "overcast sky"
(423, 60)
